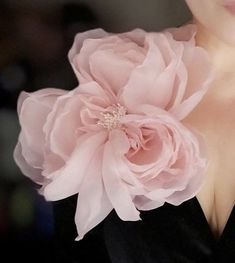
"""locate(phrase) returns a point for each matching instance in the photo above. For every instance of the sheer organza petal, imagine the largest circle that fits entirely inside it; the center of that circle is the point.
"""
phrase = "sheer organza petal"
(93, 204)
(116, 190)
(66, 181)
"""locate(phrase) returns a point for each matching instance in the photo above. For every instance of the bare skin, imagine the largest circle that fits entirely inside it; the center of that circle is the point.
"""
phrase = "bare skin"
(214, 117)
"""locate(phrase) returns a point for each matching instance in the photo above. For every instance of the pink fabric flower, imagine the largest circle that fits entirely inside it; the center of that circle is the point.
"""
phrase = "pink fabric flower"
(117, 139)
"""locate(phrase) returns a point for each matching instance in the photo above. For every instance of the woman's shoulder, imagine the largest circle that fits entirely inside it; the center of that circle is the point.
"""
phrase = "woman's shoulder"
(180, 230)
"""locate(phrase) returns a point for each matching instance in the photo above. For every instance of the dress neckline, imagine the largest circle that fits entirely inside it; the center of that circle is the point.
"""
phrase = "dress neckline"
(230, 221)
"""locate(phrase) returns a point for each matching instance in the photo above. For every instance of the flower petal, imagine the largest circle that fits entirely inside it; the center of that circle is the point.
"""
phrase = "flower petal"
(63, 140)
(34, 174)
(66, 181)
(33, 110)
(200, 75)
(110, 70)
(116, 190)
(80, 63)
(152, 82)
(144, 203)
(93, 204)
(190, 190)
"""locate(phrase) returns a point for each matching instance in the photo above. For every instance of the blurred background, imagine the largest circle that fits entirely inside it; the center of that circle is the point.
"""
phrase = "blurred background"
(35, 37)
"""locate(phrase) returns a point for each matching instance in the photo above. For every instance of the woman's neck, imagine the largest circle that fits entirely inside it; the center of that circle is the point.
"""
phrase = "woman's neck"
(222, 54)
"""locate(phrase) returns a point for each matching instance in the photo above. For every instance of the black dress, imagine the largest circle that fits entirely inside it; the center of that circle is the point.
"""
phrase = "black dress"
(169, 234)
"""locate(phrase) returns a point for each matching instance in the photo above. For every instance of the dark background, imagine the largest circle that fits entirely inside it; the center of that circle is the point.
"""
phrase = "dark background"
(35, 37)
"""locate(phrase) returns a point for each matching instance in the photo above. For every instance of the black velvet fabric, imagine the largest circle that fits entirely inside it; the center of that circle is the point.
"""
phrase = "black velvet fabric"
(169, 234)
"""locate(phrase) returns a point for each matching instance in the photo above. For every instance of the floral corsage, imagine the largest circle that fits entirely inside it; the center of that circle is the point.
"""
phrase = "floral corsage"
(118, 139)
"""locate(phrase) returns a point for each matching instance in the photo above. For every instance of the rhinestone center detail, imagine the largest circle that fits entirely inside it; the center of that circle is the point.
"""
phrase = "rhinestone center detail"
(111, 119)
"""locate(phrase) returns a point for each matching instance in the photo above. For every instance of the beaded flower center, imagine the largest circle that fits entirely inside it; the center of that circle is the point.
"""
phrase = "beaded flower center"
(111, 119)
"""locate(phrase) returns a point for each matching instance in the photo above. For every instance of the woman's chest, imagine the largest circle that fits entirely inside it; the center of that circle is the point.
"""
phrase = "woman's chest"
(214, 118)
(217, 196)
